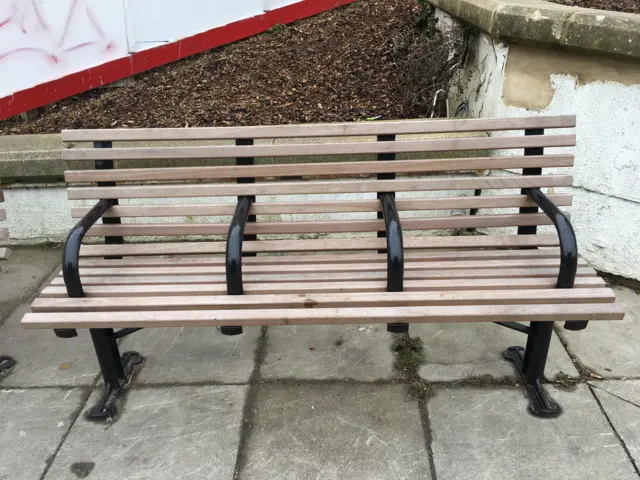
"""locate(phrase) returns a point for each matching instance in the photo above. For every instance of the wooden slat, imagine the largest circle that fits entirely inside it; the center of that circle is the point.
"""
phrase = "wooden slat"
(335, 259)
(450, 203)
(354, 276)
(347, 148)
(317, 169)
(321, 316)
(440, 285)
(326, 267)
(340, 226)
(323, 187)
(381, 299)
(316, 245)
(5, 253)
(319, 130)
(3, 214)
(4, 233)
(1, 196)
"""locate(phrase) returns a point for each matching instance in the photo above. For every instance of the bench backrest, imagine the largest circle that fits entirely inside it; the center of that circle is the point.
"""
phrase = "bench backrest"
(316, 186)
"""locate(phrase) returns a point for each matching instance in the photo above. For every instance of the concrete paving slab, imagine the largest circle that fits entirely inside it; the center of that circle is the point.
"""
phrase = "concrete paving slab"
(187, 355)
(621, 401)
(611, 349)
(162, 433)
(32, 425)
(336, 431)
(457, 351)
(328, 352)
(488, 434)
(42, 359)
(23, 273)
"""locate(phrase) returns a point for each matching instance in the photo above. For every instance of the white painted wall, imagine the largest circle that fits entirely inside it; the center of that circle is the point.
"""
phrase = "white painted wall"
(42, 40)
(606, 210)
(170, 20)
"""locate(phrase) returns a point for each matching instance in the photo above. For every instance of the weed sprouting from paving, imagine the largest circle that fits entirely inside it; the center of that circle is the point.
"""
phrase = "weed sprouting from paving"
(409, 352)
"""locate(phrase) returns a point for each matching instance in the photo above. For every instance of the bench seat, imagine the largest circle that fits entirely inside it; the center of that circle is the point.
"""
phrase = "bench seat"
(324, 289)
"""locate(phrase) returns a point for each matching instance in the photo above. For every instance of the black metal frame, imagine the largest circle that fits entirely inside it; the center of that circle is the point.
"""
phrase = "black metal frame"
(393, 234)
(6, 363)
(531, 360)
(395, 253)
(395, 248)
(236, 235)
(116, 369)
(233, 255)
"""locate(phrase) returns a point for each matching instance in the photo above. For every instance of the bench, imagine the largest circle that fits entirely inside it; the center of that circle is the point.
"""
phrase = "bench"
(331, 240)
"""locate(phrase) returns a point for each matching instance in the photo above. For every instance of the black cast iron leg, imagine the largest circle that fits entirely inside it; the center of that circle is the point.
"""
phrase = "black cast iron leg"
(6, 363)
(116, 371)
(530, 364)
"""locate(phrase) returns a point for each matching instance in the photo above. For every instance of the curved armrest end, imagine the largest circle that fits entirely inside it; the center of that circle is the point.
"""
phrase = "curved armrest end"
(395, 248)
(568, 247)
(71, 252)
(233, 254)
(566, 235)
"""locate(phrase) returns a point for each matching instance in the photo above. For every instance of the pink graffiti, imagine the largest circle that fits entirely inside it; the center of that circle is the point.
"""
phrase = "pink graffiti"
(19, 15)
(42, 51)
(27, 16)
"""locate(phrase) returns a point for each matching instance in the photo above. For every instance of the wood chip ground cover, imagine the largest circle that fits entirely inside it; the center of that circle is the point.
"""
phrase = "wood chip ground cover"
(347, 64)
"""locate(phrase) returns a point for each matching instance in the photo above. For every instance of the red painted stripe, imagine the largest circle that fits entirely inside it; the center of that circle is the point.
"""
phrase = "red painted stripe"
(111, 71)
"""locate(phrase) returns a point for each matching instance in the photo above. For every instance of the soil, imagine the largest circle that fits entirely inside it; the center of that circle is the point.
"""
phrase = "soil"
(356, 62)
(630, 6)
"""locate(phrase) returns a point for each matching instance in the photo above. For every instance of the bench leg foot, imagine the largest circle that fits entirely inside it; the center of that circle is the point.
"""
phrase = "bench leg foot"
(398, 327)
(6, 363)
(231, 330)
(530, 363)
(116, 371)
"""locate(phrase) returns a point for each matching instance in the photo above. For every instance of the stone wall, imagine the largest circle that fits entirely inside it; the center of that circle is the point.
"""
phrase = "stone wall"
(507, 76)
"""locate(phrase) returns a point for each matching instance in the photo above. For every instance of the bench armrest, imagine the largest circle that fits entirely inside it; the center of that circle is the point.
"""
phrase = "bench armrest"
(71, 258)
(71, 253)
(233, 256)
(568, 246)
(395, 249)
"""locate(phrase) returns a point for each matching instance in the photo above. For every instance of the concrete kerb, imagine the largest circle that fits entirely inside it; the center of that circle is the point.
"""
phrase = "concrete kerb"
(539, 22)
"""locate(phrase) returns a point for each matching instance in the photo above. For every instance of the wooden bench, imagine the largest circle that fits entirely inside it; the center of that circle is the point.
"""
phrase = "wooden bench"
(327, 241)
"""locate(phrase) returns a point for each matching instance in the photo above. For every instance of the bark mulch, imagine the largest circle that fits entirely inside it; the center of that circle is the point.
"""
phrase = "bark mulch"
(629, 6)
(347, 64)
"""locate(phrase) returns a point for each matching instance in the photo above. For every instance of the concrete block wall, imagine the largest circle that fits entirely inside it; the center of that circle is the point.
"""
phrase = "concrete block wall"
(506, 78)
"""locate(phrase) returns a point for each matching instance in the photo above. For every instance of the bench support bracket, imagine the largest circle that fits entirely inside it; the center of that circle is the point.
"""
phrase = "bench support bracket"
(529, 363)
(117, 372)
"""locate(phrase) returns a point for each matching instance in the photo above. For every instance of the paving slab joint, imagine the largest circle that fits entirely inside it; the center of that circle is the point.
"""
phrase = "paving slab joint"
(584, 371)
(613, 429)
(72, 420)
(250, 405)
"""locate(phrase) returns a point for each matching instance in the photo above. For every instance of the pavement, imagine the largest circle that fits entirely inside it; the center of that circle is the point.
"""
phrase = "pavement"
(343, 402)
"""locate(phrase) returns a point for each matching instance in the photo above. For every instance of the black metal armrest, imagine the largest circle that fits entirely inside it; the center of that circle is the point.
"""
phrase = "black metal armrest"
(71, 257)
(71, 254)
(568, 246)
(395, 249)
(233, 257)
